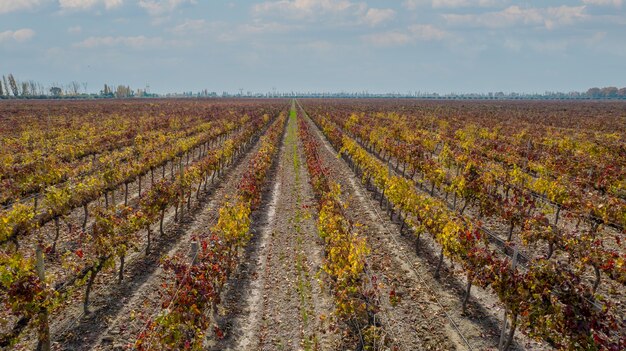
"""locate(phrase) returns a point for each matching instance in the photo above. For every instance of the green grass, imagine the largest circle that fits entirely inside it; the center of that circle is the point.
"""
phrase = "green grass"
(303, 286)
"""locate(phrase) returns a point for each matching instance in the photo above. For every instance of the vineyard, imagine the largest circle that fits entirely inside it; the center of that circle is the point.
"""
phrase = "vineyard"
(312, 224)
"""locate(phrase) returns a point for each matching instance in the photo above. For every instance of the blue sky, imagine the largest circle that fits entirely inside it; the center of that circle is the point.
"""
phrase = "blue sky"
(317, 45)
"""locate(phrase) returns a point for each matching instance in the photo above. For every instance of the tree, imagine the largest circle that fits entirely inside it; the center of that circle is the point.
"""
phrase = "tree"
(609, 92)
(574, 94)
(14, 86)
(32, 87)
(74, 87)
(107, 91)
(56, 91)
(594, 92)
(1, 91)
(123, 92)
(25, 87)
(41, 89)
(6, 85)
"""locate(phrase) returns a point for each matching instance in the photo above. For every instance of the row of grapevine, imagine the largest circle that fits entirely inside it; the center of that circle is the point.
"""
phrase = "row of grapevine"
(588, 161)
(194, 292)
(345, 250)
(513, 204)
(116, 231)
(42, 142)
(595, 193)
(61, 200)
(548, 300)
(26, 174)
(546, 139)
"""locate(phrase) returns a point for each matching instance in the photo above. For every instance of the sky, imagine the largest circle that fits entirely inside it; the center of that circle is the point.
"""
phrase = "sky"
(443, 46)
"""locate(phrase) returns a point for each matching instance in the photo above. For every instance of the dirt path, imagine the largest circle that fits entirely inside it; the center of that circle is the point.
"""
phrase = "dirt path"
(284, 306)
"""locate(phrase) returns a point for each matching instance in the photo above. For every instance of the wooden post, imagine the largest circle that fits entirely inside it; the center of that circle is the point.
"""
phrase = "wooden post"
(86, 211)
(125, 193)
(503, 342)
(172, 169)
(193, 255)
(44, 328)
(182, 192)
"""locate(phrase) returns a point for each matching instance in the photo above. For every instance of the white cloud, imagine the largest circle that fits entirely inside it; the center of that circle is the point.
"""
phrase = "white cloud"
(264, 27)
(388, 39)
(77, 4)
(87, 4)
(549, 18)
(303, 8)
(20, 35)
(110, 4)
(161, 7)
(374, 16)
(416, 32)
(7, 6)
(191, 26)
(414, 4)
(75, 30)
(342, 12)
(225, 32)
(513, 44)
(543, 45)
(596, 38)
(550, 46)
(427, 32)
(563, 15)
(133, 42)
(319, 46)
(616, 3)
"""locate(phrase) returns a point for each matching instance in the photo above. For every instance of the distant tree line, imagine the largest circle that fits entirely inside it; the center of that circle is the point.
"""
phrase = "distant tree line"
(120, 92)
(607, 92)
(12, 88)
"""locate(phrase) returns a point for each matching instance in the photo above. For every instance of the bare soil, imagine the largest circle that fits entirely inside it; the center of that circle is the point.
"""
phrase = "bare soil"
(280, 303)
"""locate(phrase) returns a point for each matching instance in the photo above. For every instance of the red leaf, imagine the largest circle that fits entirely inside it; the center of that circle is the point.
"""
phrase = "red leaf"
(218, 333)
